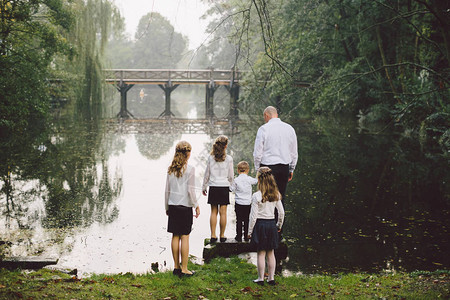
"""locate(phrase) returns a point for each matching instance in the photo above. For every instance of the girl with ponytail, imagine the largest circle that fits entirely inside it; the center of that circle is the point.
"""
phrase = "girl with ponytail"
(263, 228)
(218, 176)
(180, 198)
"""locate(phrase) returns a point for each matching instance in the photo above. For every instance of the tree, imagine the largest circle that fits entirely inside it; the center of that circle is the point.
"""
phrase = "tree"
(384, 62)
(31, 34)
(157, 45)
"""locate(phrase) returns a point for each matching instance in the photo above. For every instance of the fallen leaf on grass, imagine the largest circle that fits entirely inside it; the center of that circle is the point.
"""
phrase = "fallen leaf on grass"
(137, 285)
(2, 286)
(293, 295)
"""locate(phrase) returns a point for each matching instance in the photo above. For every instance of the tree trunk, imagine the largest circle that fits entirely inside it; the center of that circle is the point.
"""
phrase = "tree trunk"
(383, 58)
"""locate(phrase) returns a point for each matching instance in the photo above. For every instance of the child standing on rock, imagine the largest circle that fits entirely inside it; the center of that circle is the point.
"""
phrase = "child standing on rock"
(218, 176)
(262, 228)
(242, 188)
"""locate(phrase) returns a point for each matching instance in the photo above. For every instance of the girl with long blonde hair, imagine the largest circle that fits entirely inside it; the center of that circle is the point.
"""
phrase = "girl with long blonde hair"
(263, 228)
(218, 176)
(180, 198)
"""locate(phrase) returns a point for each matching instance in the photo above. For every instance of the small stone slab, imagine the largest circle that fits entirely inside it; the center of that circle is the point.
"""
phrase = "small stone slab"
(62, 269)
(231, 247)
(27, 262)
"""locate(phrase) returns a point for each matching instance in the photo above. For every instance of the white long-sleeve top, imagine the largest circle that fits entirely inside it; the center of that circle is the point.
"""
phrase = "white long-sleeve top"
(276, 143)
(264, 210)
(242, 188)
(218, 173)
(181, 190)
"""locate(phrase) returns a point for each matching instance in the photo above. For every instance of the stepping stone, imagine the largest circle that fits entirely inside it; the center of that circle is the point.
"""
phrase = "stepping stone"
(27, 262)
(231, 247)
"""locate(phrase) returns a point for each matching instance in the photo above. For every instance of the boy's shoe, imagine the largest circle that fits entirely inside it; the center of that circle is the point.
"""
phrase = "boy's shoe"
(238, 239)
(246, 239)
(258, 282)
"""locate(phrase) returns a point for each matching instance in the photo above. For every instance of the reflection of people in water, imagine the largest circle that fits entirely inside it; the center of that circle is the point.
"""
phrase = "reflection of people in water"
(179, 200)
(218, 176)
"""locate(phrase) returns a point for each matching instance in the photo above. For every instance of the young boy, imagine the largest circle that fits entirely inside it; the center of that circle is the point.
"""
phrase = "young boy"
(242, 187)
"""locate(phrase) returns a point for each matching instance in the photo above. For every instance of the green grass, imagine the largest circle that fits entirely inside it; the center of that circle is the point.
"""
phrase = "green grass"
(223, 279)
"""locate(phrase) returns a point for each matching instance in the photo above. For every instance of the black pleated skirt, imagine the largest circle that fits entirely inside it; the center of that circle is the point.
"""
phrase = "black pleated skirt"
(180, 220)
(219, 195)
(265, 234)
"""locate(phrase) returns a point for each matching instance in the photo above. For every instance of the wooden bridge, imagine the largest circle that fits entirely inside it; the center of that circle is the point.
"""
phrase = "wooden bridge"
(169, 80)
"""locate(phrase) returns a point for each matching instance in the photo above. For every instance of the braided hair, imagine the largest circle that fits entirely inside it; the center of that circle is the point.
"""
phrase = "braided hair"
(179, 162)
(219, 148)
(267, 185)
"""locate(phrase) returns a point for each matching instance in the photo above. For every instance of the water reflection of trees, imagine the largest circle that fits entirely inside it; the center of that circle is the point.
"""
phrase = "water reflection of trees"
(359, 199)
(58, 179)
(362, 200)
(80, 190)
(153, 146)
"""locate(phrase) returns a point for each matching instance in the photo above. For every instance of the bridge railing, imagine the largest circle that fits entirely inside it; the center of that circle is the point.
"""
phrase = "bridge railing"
(157, 76)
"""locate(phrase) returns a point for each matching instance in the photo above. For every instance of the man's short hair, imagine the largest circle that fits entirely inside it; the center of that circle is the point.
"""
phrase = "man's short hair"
(271, 111)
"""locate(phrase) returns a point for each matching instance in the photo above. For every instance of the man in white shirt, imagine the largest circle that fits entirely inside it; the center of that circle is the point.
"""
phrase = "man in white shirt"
(276, 148)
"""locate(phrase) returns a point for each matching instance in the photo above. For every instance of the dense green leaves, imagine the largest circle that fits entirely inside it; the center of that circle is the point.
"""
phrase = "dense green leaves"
(28, 42)
(383, 60)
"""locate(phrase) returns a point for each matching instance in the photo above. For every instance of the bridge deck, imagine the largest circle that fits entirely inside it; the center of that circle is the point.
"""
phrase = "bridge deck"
(162, 76)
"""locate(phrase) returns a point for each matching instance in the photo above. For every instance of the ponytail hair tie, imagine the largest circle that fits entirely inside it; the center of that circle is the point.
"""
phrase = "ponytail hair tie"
(184, 150)
(265, 171)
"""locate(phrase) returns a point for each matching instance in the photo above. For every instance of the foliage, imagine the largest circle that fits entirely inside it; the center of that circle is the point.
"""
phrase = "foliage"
(51, 51)
(222, 278)
(95, 21)
(31, 34)
(157, 45)
(371, 58)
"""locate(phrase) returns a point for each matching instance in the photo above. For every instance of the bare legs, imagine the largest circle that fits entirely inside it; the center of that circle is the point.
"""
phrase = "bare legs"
(223, 219)
(180, 249)
(213, 220)
(222, 211)
(261, 264)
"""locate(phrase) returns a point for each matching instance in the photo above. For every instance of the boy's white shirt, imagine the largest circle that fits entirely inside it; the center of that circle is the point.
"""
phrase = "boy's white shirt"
(242, 188)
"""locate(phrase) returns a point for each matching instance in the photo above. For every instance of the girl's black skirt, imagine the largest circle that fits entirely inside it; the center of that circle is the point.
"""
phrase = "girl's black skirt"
(180, 220)
(219, 195)
(265, 234)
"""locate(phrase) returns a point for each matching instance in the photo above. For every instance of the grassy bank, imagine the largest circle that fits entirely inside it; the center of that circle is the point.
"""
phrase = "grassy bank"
(223, 279)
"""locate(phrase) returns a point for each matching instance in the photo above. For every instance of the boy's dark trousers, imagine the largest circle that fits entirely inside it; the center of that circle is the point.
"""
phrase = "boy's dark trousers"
(242, 216)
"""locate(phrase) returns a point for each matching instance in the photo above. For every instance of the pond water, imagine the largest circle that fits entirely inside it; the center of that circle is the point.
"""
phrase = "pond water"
(93, 196)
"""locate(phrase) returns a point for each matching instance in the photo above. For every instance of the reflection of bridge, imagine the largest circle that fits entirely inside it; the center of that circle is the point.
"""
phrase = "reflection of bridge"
(169, 80)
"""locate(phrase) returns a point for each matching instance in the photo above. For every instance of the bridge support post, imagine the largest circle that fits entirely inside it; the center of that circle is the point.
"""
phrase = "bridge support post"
(234, 96)
(123, 88)
(168, 89)
(209, 100)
